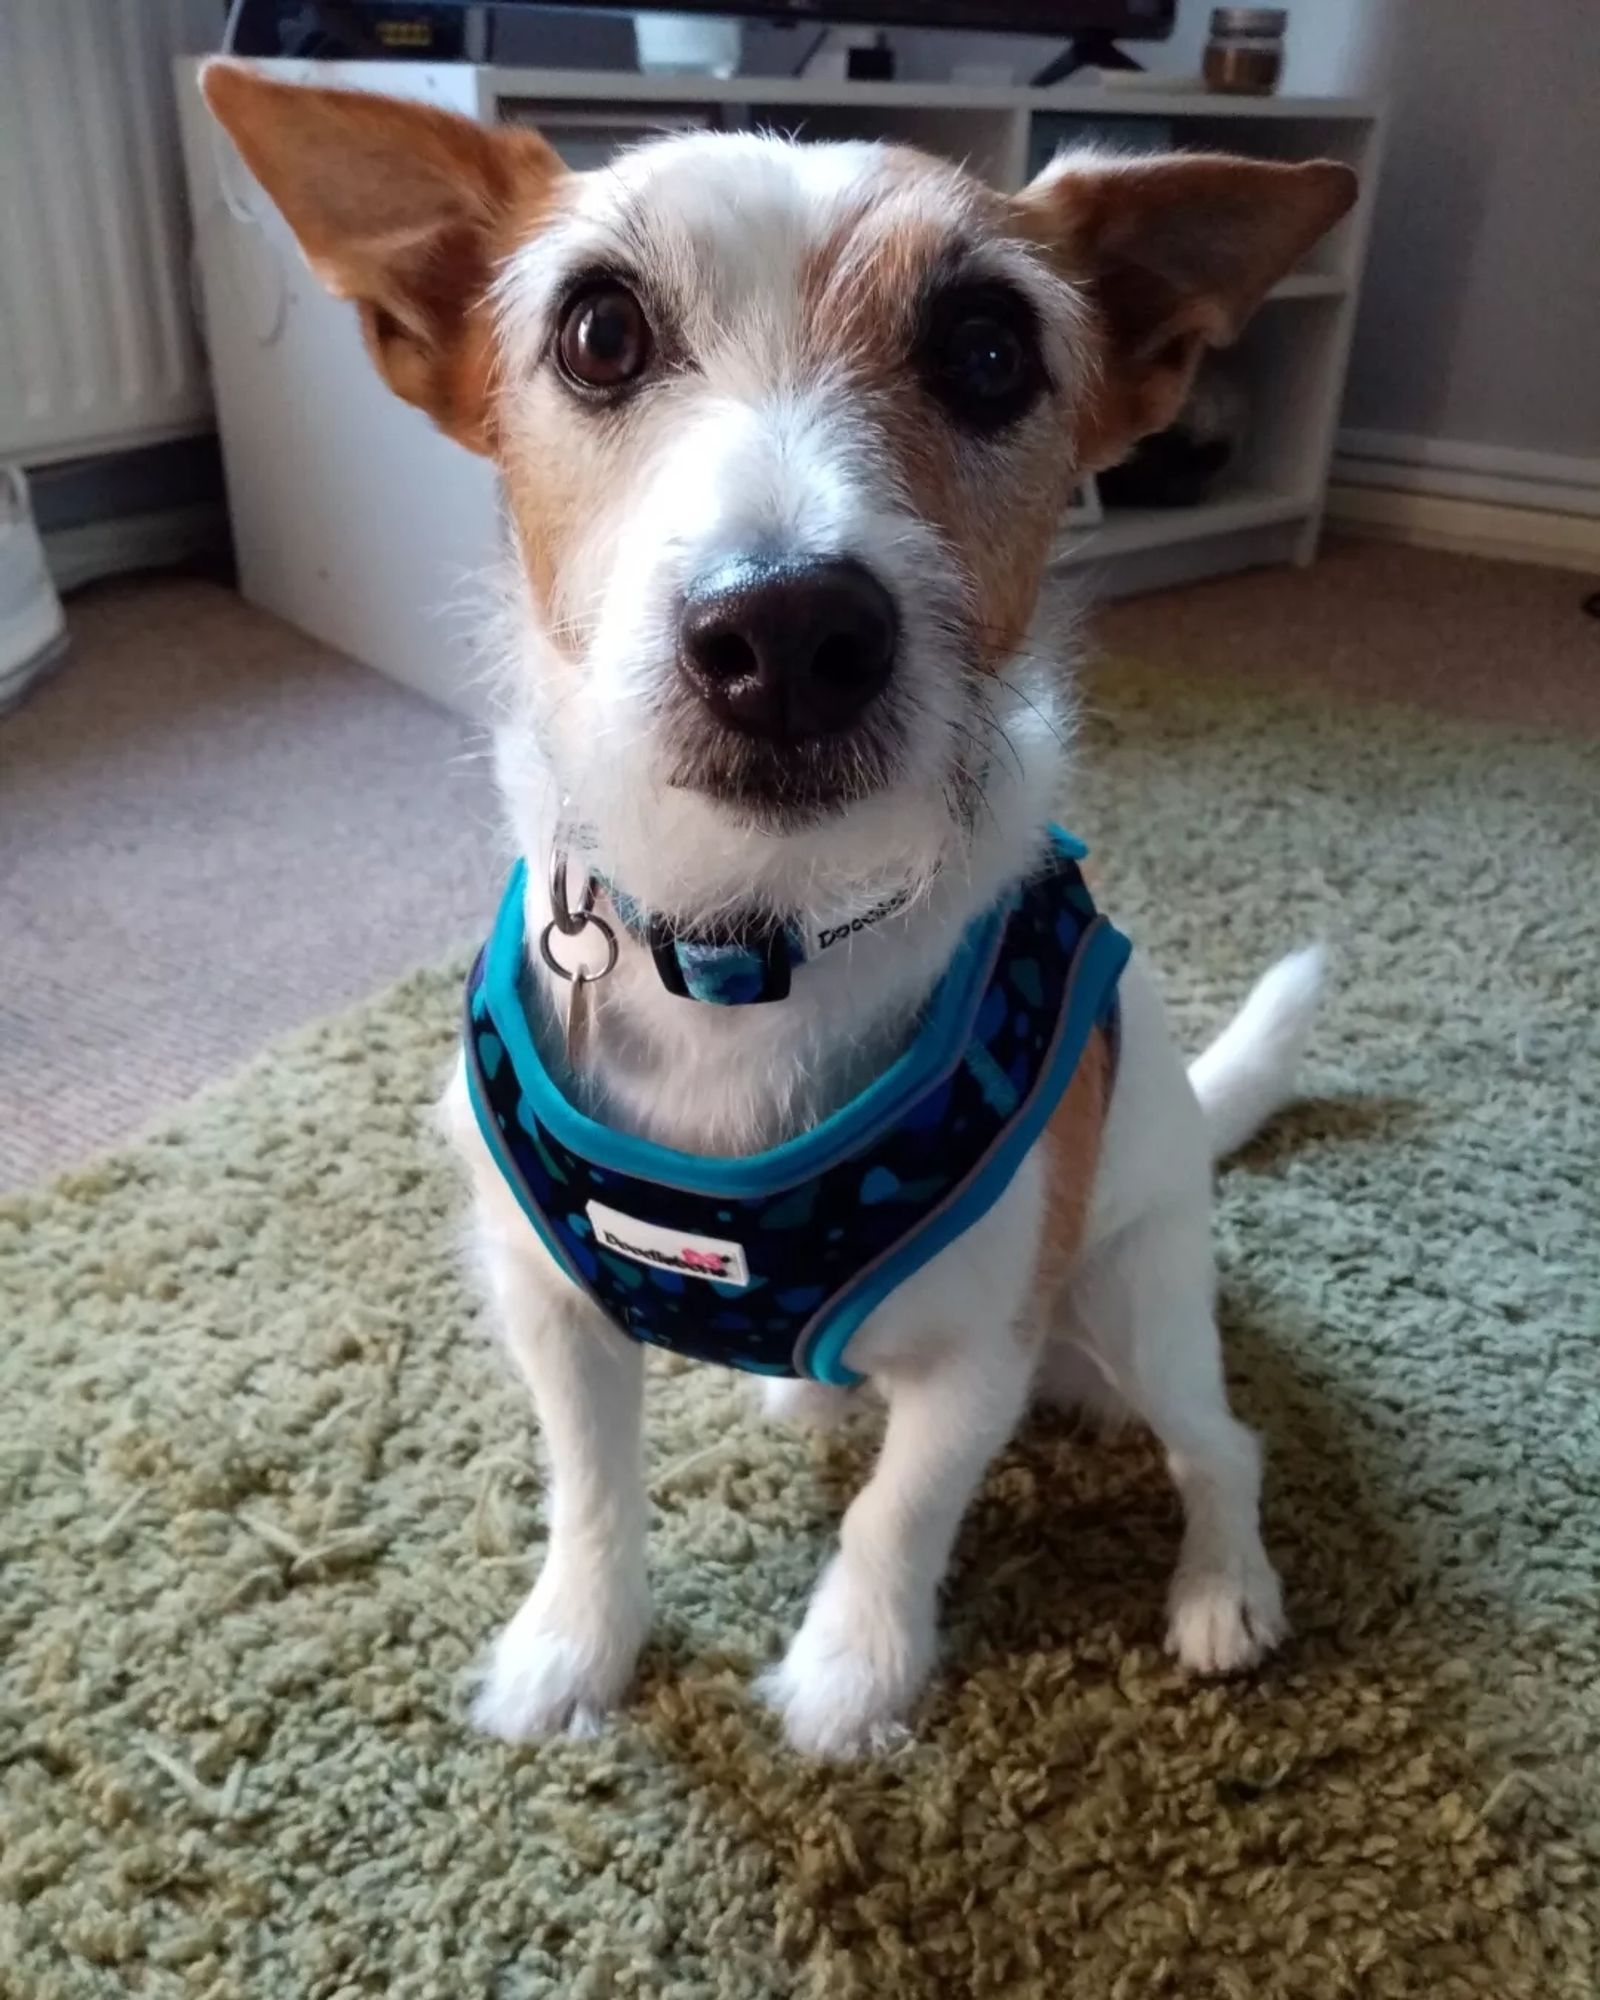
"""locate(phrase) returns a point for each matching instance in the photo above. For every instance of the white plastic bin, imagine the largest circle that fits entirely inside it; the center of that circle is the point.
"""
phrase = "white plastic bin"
(33, 630)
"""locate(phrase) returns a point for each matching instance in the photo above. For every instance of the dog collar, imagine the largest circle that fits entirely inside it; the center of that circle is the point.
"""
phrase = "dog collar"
(770, 1261)
(738, 963)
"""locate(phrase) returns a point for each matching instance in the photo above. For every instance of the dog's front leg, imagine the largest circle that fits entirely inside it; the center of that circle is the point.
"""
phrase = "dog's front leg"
(860, 1658)
(953, 1354)
(568, 1654)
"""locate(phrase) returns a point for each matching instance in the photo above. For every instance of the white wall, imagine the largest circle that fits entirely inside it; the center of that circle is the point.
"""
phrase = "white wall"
(1479, 335)
(1476, 364)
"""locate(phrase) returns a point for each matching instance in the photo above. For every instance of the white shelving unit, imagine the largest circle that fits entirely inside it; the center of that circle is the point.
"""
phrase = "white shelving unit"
(355, 520)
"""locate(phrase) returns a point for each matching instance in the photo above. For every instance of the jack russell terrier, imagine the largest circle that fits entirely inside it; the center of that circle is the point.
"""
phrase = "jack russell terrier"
(799, 1043)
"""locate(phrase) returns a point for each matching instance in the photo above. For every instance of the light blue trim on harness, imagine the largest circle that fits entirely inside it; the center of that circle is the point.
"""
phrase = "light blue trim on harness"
(952, 1045)
(939, 1047)
(1101, 957)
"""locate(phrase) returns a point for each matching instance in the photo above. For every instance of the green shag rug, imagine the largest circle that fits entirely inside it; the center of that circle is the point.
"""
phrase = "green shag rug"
(267, 1491)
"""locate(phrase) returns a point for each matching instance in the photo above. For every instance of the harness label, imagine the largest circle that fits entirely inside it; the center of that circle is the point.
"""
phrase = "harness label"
(708, 1257)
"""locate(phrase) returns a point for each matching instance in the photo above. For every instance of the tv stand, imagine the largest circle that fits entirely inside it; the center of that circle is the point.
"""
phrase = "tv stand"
(1093, 49)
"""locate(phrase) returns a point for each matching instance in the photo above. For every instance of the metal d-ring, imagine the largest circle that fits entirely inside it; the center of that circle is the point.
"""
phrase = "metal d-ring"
(573, 923)
(586, 921)
(562, 915)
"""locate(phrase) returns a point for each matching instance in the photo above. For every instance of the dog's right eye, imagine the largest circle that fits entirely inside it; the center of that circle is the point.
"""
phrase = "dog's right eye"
(979, 354)
(604, 341)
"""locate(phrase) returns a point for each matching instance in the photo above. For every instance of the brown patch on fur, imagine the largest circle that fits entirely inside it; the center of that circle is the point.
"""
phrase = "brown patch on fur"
(546, 500)
(1175, 254)
(997, 502)
(861, 286)
(1071, 1154)
(405, 209)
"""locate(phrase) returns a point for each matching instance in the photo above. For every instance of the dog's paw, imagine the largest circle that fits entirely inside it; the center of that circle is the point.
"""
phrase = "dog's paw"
(808, 1406)
(1222, 1619)
(557, 1668)
(851, 1674)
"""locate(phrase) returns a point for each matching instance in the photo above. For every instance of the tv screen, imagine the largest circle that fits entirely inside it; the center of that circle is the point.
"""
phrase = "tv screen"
(432, 28)
(1146, 20)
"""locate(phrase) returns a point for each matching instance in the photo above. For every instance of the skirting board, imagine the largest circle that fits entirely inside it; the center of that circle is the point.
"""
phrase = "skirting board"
(84, 554)
(1468, 527)
(1553, 482)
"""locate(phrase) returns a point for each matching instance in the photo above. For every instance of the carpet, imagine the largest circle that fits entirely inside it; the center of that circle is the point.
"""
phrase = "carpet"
(269, 1491)
(212, 830)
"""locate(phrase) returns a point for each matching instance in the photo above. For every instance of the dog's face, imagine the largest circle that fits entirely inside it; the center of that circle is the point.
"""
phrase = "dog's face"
(784, 435)
(785, 431)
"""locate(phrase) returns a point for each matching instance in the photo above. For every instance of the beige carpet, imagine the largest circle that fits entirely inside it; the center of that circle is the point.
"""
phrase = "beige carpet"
(268, 1493)
(211, 830)
(1503, 642)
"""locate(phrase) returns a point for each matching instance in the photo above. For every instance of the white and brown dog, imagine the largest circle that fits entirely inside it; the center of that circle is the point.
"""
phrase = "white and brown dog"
(881, 378)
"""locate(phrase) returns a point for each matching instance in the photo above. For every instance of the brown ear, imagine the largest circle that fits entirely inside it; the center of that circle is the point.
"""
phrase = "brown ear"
(1176, 252)
(405, 209)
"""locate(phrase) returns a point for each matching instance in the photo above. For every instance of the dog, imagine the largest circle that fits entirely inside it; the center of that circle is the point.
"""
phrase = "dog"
(785, 433)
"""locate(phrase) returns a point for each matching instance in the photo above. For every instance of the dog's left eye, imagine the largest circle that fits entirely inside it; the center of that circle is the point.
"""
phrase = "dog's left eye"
(980, 356)
(604, 341)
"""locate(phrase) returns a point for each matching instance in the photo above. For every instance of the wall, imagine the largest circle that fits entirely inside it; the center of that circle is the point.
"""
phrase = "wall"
(1474, 371)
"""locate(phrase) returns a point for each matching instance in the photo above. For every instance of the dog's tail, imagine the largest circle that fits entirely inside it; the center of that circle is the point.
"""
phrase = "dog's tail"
(1249, 1070)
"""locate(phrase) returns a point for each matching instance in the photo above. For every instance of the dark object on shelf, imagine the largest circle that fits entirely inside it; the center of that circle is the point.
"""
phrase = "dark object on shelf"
(1093, 24)
(351, 30)
(1093, 50)
(1179, 466)
(874, 65)
(1244, 57)
(1170, 469)
(1095, 21)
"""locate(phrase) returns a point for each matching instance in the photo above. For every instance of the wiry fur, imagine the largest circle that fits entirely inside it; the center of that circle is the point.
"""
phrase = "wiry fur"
(784, 417)
(763, 449)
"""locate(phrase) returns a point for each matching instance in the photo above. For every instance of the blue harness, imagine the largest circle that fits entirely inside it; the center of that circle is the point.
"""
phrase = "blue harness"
(771, 1261)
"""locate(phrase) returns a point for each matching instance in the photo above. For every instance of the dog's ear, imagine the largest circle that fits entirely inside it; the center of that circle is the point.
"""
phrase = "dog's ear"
(1175, 252)
(403, 208)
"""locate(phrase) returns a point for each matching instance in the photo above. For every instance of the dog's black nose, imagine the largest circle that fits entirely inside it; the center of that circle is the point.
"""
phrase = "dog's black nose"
(787, 648)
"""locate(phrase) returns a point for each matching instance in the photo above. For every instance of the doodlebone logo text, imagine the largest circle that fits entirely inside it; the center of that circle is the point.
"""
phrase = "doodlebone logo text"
(709, 1257)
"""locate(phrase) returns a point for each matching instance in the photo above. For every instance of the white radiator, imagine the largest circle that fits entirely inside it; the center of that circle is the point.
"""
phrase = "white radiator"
(97, 343)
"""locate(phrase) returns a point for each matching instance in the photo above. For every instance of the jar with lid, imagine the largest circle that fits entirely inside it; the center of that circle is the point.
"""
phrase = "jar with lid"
(1245, 53)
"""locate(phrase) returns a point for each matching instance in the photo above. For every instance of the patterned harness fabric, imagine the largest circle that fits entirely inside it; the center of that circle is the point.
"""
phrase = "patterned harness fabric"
(769, 1262)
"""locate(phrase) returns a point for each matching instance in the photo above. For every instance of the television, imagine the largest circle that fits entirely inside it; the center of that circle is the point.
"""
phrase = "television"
(1092, 28)
(1145, 20)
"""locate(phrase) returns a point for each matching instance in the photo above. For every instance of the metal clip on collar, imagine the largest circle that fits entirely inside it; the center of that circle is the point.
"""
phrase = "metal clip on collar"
(573, 923)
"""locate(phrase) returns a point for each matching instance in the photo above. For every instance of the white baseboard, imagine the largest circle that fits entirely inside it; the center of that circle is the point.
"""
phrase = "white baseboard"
(1467, 527)
(1497, 475)
(128, 542)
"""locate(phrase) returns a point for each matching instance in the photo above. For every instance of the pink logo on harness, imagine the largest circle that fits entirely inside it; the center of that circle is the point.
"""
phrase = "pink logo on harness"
(704, 1260)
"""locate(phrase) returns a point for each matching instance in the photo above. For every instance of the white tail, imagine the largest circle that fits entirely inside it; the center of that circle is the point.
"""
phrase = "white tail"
(1249, 1070)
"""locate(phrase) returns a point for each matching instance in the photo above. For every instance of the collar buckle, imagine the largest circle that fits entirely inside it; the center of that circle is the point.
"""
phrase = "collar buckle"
(739, 972)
